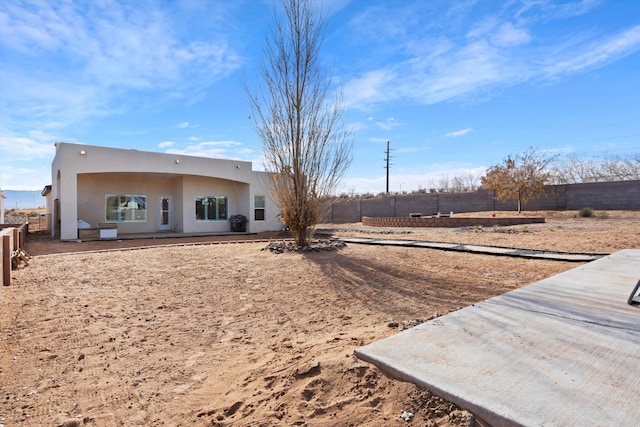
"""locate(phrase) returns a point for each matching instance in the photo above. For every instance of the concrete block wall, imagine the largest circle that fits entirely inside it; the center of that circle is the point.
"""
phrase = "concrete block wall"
(466, 202)
(378, 207)
(425, 204)
(597, 195)
(343, 212)
(615, 195)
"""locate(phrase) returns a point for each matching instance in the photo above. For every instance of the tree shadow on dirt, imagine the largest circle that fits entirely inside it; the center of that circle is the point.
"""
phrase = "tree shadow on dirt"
(383, 287)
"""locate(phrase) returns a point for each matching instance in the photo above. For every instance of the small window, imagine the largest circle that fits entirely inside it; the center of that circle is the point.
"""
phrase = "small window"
(211, 208)
(126, 207)
(258, 205)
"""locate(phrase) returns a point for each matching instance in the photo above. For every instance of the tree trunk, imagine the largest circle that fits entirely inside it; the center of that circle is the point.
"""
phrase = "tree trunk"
(519, 204)
(300, 237)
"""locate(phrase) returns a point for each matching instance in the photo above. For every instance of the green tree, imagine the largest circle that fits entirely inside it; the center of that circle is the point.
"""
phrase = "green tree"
(521, 177)
(298, 117)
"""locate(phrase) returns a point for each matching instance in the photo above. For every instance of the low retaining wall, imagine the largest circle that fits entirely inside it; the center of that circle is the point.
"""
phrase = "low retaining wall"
(445, 222)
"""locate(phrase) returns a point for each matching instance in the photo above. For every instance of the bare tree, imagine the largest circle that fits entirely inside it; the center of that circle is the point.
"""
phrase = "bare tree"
(306, 147)
(457, 184)
(620, 168)
(521, 178)
(575, 169)
(464, 183)
(442, 185)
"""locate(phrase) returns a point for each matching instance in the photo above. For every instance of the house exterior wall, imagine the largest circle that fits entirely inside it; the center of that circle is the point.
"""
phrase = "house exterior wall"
(262, 187)
(46, 193)
(83, 174)
(93, 188)
(202, 186)
(178, 201)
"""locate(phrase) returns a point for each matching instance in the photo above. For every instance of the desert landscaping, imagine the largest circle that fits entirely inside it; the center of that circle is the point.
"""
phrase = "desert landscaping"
(226, 332)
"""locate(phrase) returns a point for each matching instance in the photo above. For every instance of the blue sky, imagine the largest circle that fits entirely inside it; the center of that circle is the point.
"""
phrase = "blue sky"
(455, 86)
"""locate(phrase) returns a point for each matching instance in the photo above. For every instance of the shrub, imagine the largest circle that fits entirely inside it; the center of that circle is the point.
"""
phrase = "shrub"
(586, 212)
(602, 215)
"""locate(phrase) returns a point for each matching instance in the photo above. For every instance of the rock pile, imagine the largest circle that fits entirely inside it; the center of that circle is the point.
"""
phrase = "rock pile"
(316, 246)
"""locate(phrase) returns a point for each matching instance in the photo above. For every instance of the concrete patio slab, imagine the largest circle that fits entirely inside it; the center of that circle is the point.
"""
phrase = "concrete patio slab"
(562, 351)
(478, 249)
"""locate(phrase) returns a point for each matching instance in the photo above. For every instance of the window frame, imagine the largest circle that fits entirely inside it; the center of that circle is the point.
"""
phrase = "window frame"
(211, 211)
(257, 208)
(120, 213)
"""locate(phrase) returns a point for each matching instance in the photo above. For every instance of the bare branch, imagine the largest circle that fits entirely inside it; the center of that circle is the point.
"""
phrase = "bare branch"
(306, 146)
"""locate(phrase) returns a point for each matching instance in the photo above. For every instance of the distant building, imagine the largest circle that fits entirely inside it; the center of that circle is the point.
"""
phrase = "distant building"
(146, 192)
(2, 197)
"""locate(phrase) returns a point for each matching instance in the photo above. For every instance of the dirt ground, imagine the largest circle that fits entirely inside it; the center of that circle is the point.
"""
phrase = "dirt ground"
(233, 334)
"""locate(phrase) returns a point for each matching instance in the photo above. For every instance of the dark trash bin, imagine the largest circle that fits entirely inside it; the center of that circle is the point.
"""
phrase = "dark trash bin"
(238, 223)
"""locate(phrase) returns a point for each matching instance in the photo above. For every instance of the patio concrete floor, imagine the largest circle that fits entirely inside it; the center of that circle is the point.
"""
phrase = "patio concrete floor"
(562, 351)
(478, 249)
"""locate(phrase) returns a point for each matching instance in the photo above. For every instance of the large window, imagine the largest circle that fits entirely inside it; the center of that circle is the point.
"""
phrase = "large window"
(211, 208)
(126, 207)
(258, 208)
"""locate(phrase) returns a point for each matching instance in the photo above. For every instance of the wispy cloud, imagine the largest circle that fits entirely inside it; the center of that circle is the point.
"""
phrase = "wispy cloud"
(378, 140)
(457, 133)
(214, 149)
(498, 51)
(166, 144)
(182, 125)
(371, 87)
(105, 49)
(543, 11)
(34, 146)
(593, 54)
(34, 151)
(387, 124)
(509, 36)
(24, 178)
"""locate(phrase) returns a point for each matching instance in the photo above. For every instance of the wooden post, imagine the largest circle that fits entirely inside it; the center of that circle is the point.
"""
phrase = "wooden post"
(6, 260)
(16, 239)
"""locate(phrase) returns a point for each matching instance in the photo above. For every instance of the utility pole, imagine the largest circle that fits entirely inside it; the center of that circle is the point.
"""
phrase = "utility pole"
(388, 153)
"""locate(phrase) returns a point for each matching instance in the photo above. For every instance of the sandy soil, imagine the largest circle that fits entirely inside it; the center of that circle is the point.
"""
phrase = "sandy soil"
(562, 231)
(233, 334)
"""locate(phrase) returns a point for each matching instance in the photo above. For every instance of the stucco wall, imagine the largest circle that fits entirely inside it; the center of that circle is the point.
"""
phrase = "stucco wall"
(272, 211)
(178, 200)
(201, 186)
(601, 196)
(93, 188)
(83, 174)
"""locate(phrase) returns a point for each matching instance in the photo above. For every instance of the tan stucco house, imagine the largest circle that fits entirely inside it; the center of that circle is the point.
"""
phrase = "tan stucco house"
(146, 192)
